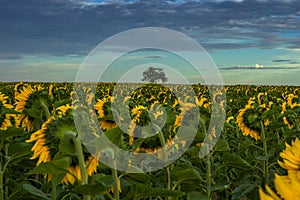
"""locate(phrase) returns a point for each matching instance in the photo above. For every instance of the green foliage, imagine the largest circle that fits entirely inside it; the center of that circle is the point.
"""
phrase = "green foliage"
(235, 169)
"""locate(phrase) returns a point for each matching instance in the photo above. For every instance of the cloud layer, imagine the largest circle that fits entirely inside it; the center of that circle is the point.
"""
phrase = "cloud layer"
(74, 27)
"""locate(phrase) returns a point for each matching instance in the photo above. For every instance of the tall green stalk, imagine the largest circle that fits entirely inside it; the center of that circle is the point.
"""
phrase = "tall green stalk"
(116, 184)
(80, 157)
(265, 148)
(208, 175)
(165, 158)
(1, 184)
(53, 192)
(46, 109)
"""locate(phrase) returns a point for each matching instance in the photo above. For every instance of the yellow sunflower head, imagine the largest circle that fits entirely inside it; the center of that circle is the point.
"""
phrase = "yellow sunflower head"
(291, 156)
(287, 186)
(104, 113)
(245, 120)
(6, 120)
(52, 140)
(36, 104)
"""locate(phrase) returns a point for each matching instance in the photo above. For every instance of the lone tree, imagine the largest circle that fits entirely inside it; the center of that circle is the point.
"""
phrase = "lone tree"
(154, 74)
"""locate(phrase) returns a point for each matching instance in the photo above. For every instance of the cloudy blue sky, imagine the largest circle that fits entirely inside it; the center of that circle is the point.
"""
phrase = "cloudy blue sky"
(250, 41)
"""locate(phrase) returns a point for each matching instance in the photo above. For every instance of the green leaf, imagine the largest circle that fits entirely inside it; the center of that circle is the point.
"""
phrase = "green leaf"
(8, 111)
(235, 161)
(51, 167)
(100, 183)
(18, 152)
(10, 132)
(36, 192)
(262, 158)
(35, 113)
(66, 145)
(19, 149)
(139, 177)
(115, 135)
(194, 195)
(220, 186)
(242, 190)
(62, 102)
(91, 189)
(142, 191)
(57, 168)
(185, 174)
(106, 180)
(187, 177)
(221, 145)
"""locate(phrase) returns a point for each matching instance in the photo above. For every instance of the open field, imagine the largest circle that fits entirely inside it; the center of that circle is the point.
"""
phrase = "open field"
(43, 126)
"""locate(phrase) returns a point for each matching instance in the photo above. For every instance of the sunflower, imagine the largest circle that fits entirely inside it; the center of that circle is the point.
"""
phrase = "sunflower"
(289, 103)
(5, 119)
(287, 186)
(50, 89)
(104, 114)
(229, 119)
(40, 149)
(184, 110)
(51, 140)
(137, 113)
(108, 124)
(269, 195)
(18, 88)
(35, 98)
(91, 164)
(291, 156)
(241, 121)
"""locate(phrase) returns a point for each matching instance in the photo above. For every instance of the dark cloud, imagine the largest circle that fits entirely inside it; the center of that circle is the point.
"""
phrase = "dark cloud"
(281, 60)
(294, 62)
(257, 68)
(64, 27)
(10, 56)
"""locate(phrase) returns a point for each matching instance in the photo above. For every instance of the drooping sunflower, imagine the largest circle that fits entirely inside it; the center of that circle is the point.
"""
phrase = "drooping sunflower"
(290, 103)
(36, 104)
(6, 119)
(52, 140)
(246, 130)
(138, 115)
(105, 117)
(202, 101)
(229, 119)
(184, 110)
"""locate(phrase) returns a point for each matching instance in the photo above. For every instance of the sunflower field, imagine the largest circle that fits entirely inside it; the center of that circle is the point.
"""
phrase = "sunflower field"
(43, 125)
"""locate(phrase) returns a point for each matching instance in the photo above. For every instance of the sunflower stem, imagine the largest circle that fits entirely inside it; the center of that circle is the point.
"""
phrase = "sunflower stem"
(208, 175)
(53, 193)
(109, 196)
(1, 184)
(80, 157)
(297, 125)
(165, 157)
(116, 181)
(162, 142)
(168, 180)
(45, 108)
(265, 147)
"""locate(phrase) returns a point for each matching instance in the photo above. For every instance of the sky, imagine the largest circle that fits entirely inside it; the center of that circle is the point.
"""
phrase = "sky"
(250, 41)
